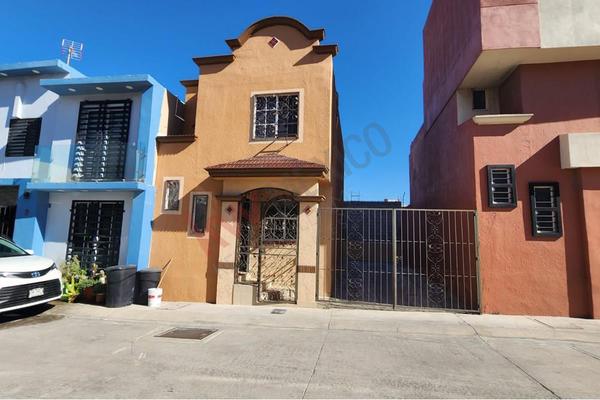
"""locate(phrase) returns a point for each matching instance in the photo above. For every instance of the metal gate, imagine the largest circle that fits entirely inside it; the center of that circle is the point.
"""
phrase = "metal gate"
(421, 258)
(267, 245)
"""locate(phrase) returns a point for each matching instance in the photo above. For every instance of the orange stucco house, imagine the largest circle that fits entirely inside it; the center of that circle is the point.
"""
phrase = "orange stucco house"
(237, 192)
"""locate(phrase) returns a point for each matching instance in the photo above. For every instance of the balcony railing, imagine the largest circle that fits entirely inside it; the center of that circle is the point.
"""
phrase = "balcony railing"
(62, 162)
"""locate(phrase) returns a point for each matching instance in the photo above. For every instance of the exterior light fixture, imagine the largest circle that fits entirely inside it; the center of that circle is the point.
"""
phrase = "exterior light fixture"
(129, 87)
(99, 88)
(71, 89)
(3, 74)
(35, 71)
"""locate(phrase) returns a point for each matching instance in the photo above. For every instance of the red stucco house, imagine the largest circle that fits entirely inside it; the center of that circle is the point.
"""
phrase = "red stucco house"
(512, 129)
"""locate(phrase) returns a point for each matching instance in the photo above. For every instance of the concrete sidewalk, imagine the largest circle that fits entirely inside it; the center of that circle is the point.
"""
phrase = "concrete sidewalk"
(75, 350)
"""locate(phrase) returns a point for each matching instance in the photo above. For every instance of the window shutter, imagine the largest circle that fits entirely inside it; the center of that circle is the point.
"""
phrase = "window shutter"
(545, 209)
(23, 137)
(502, 191)
(101, 142)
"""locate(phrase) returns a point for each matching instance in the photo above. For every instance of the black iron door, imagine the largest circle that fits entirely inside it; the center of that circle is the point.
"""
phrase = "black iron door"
(95, 232)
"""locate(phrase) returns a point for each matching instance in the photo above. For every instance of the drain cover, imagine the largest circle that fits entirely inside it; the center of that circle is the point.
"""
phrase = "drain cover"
(187, 333)
(278, 311)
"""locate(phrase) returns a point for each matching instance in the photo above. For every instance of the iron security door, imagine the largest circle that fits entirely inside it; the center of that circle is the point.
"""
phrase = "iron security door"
(277, 269)
(267, 245)
(95, 232)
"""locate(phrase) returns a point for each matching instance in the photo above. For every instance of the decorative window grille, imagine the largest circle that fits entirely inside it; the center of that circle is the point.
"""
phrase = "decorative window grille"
(501, 186)
(199, 213)
(101, 141)
(171, 200)
(23, 137)
(95, 232)
(545, 209)
(276, 116)
(280, 221)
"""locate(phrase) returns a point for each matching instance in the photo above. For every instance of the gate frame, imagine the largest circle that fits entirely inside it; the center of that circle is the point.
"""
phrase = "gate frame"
(395, 305)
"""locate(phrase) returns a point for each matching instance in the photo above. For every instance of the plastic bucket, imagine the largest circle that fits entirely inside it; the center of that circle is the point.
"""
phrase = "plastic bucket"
(154, 297)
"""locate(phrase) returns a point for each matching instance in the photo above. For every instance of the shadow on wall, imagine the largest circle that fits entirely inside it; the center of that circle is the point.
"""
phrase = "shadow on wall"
(544, 166)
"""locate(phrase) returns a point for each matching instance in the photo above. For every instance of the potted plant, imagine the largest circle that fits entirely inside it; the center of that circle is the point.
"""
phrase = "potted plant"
(100, 287)
(72, 274)
(85, 287)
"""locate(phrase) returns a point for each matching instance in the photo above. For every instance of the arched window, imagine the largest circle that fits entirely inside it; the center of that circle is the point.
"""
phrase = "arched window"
(280, 220)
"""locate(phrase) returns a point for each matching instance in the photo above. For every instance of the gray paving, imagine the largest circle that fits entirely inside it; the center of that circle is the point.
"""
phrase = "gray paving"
(81, 351)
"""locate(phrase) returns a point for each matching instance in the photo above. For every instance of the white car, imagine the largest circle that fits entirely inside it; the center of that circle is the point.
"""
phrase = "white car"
(26, 280)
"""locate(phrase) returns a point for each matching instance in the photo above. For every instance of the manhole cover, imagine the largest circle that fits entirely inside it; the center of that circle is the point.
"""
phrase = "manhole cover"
(278, 311)
(187, 333)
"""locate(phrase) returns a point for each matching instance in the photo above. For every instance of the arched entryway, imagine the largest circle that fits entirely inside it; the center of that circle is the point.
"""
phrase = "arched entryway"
(267, 244)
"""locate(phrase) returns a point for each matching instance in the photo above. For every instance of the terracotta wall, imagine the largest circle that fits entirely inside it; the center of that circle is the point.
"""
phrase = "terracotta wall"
(508, 24)
(520, 273)
(441, 165)
(590, 198)
(452, 43)
(222, 121)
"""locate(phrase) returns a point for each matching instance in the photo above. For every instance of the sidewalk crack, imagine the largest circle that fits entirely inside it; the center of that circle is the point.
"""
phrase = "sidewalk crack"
(531, 377)
(314, 370)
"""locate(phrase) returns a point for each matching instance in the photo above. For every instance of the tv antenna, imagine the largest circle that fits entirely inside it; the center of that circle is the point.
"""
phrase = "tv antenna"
(73, 50)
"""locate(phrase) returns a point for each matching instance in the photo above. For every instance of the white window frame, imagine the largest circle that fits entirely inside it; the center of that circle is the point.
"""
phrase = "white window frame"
(191, 233)
(277, 92)
(164, 194)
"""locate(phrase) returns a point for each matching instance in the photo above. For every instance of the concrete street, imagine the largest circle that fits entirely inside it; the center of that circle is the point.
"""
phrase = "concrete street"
(76, 350)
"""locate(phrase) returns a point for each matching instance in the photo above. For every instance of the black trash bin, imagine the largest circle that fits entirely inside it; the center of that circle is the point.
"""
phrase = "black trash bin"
(120, 285)
(145, 279)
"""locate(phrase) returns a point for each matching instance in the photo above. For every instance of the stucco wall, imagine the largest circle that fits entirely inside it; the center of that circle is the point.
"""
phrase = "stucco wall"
(223, 125)
(589, 179)
(522, 274)
(22, 98)
(59, 216)
(441, 165)
(566, 23)
(452, 42)
(509, 24)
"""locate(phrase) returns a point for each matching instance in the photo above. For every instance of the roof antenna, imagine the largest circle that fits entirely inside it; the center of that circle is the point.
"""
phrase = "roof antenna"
(73, 50)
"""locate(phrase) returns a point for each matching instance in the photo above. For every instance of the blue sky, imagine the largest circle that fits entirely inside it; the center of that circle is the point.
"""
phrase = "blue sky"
(379, 70)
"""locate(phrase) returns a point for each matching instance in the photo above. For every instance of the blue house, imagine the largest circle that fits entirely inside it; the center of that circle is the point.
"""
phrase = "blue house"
(77, 161)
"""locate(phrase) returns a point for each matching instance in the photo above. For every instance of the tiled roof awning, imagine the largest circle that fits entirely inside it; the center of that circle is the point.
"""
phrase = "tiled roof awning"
(267, 164)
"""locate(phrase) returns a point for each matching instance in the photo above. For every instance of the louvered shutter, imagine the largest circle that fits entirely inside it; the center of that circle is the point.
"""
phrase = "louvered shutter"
(101, 141)
(23, 136)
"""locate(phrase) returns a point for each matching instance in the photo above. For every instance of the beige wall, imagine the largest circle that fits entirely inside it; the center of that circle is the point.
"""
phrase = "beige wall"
(567, 23)
(580, 150)
(221, 111)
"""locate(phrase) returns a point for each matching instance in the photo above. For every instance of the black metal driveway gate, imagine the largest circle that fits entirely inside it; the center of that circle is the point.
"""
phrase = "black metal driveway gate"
(421, 258)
